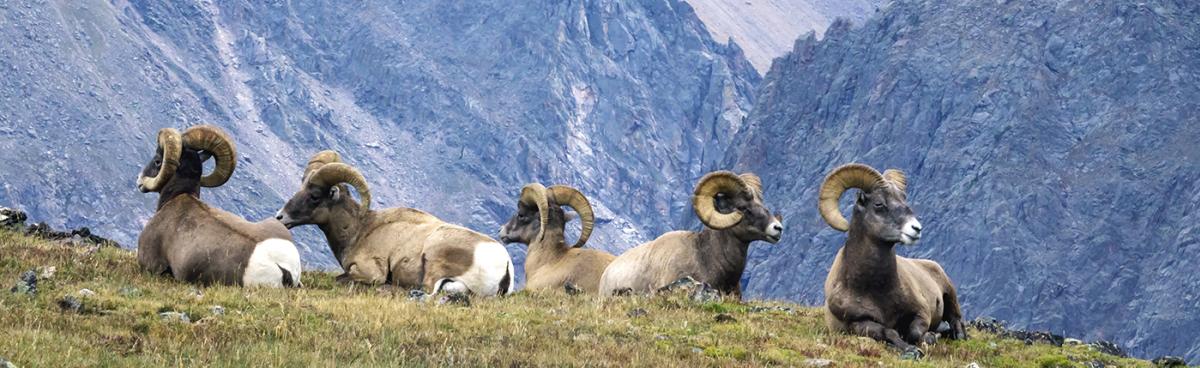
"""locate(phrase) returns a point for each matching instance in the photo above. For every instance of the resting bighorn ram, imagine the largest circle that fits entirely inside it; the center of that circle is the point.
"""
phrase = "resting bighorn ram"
(731, 208)
(539, 222)
(194, 242)
(870, 291)
(400, 246)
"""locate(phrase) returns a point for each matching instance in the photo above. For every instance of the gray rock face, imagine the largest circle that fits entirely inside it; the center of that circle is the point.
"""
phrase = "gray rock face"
(1051, 151)
(766, 29)
(444, 106)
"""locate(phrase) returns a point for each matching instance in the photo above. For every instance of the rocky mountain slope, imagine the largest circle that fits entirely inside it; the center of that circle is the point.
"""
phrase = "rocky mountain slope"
(766, 29)
(1051, 152)
(444, 106)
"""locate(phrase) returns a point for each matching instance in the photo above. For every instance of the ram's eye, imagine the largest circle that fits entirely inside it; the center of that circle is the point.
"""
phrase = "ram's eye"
(879, 205)
(314, 196)
(157, 162)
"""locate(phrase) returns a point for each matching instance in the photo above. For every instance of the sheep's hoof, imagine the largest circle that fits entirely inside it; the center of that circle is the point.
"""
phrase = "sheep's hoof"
(912, 353)
(929, 338)
(958, 331)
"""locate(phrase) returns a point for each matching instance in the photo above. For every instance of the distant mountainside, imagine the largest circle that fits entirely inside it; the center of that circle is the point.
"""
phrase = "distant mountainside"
(1051, 150)
(766, 29)
(445, 106)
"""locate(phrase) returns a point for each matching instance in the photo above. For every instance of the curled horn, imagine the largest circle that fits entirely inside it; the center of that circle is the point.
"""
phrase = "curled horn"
(535, 194)
(845, 177)
(704, 204)
(897, 178)
(214, 141)
(171, 144)
(320, 159)
(337, 173)
(568, 196)
(753, 182)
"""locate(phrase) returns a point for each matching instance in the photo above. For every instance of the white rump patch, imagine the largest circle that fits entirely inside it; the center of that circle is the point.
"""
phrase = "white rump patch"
(619, 274)
(270, 258)
(489, 267)
(450, 286)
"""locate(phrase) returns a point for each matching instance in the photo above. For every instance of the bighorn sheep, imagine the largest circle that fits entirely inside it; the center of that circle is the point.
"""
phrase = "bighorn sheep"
(539, 222)
(870, 291)
(731, 208)
(400, 246)
(194, 242)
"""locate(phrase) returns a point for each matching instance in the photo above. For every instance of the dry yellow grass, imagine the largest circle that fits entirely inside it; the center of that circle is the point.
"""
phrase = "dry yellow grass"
(329, 324)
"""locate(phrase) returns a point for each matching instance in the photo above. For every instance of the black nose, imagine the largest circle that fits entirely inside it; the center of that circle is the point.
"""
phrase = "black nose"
(917, 228)
(279, 216)
(778, 227)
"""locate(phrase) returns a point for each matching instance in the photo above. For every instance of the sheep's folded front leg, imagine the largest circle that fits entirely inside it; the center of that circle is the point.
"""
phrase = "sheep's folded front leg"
(877, 331)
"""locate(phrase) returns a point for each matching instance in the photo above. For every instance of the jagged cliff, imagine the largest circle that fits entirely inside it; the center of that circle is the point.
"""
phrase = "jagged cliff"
(766, 29)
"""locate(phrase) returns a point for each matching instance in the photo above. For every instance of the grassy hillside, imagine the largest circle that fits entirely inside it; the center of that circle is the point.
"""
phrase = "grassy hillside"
(328, 324)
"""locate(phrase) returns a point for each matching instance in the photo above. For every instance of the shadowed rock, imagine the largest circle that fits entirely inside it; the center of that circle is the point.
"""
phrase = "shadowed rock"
(27, 284)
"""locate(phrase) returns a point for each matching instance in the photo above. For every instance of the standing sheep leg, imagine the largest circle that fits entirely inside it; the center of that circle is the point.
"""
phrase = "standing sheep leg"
(952, 314)
(876, 331)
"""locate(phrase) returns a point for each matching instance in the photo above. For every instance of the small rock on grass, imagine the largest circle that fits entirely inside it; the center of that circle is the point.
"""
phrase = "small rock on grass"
(418, 295)
(11, 217)
(973, 365)
(636, 312)
(217, 310)
(4, 363)
(912, 353)
(704, 293)
(71, 304)
(764, 309)
(1169, 361)
(724, 318)
(1108, 347)
(86, 293)
(817, 363)
(27, 284)
(687, 282)
(48, 272)
(175, 317)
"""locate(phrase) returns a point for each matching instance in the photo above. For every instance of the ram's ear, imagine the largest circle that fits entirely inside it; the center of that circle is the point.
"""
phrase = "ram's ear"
(335, 192)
